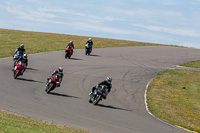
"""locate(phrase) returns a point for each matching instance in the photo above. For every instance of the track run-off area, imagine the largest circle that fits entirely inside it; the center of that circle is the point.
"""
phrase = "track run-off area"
(123, 111)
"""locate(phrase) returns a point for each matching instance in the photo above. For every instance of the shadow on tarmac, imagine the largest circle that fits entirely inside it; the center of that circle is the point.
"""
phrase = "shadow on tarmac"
(29, 80)
(29, 68)
(62, 95)
(94, 55)
(75, 59)
(112, 107)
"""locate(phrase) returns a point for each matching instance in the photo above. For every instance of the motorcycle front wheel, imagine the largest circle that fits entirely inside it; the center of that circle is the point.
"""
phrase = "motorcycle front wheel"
(97, 99)
(49, 88)
(16, 74)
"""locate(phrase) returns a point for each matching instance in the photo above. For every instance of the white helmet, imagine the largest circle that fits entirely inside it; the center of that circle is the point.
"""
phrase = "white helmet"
(22, 46)
(90, 39)
(20, 63)
(25, 56)
(109, 79)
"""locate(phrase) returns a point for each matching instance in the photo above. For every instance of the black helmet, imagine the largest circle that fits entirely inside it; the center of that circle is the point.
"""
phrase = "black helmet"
(109, 79)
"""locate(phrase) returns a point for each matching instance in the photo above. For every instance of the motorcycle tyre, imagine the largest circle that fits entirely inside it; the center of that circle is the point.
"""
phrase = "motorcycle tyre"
(16, 74)
(48, 89)
(96, 100)
(66, 55)
(90, 101)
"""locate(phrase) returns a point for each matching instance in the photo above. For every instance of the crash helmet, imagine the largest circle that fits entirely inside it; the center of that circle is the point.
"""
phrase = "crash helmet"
(71, 42)
(109, 79)
(20, 63)
(90, 39)
(60, 69)
(22, 46)
(25, 56)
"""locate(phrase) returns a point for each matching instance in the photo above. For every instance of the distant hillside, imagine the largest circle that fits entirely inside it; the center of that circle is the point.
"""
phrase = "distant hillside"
(36, 42)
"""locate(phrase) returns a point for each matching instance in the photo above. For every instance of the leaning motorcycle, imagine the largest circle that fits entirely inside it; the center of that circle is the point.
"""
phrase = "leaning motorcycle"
(68, 52)
(87, 49)
(100, 93)
(18, 70)
(51, 84)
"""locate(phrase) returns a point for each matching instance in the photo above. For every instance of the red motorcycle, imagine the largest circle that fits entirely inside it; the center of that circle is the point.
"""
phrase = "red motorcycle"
(68, 52)
(52, 83)
(19, 69)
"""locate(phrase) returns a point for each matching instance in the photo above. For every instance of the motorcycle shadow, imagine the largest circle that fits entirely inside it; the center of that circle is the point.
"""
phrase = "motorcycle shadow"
(94, 55)
(63, 95)
(29, 68)
(75, 58)
(112, 107)
(29, 80)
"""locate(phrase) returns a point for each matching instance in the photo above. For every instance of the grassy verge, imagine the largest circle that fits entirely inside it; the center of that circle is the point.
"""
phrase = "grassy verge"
(174, 97)
(36, 42)
(194, 64)
(10, 123)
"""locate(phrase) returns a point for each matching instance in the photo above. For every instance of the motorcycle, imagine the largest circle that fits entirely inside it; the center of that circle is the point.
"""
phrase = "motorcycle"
(51, 84)
(68, 52)
(100, 93)
(18, 70)
(88, 49)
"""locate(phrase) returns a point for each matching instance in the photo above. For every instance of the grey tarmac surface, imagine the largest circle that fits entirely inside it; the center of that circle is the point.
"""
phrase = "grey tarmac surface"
(124, 109)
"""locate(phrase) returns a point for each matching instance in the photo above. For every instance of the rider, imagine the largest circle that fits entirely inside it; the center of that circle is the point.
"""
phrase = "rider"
(90, 43)
(106, 82)
(21, 50)
(71, 45)
(58, 73)
(25, 59)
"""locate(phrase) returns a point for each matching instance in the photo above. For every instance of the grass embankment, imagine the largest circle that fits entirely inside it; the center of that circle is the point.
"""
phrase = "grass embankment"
(10, 123)
(174, 96)
(194, 64)
(36, 42)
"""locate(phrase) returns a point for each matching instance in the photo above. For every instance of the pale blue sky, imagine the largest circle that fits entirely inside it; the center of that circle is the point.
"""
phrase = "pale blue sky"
(174, 22)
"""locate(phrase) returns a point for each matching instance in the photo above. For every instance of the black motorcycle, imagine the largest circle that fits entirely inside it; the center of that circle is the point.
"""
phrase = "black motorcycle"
(88, 49)
(99, 94)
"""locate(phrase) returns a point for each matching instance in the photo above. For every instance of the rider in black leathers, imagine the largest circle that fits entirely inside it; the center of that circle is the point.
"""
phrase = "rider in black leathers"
(24, 59)
(106, 82)
(71, 45)
(90, 43)
(20, 50)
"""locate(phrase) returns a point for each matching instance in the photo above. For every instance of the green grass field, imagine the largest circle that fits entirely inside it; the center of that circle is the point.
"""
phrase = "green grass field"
(10, 123)
(174, 96)
(36, 42)
(194, 64)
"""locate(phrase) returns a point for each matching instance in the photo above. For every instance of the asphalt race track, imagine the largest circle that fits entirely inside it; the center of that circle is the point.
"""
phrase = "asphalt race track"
(124, 109)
